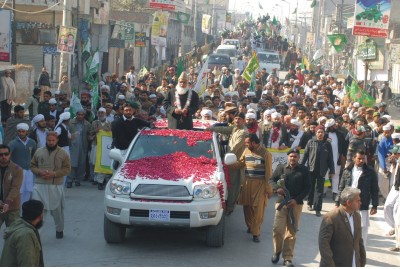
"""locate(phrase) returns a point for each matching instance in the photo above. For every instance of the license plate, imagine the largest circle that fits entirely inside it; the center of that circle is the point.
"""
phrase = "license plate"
(159, 215)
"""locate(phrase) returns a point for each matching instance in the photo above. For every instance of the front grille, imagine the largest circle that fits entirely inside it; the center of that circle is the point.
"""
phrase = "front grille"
(161, 190)
(174, 214)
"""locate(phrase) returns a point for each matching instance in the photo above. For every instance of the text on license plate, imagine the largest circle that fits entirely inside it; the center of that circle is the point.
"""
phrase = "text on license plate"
(159, 215)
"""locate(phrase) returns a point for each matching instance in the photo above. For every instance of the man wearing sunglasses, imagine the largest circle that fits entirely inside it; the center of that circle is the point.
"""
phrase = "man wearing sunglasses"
(11, 180)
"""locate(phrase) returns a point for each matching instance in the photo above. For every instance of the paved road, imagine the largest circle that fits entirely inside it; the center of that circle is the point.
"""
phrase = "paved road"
(84, 244)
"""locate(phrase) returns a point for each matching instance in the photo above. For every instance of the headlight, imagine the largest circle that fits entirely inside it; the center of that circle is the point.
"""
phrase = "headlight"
(120, 187)
(205, 191)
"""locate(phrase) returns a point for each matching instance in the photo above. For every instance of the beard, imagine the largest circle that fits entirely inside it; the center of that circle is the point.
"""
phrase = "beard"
(102, 118)
(181, 90)
(331, 130)
(276, 124)
(51, 148)
(39, 225)
(294, 131)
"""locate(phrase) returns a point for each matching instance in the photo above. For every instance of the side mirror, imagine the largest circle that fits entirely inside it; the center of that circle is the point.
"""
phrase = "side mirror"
(230, 158)
(116, 155)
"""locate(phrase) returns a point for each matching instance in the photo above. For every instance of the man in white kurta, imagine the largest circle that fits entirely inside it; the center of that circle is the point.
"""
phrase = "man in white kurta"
(333, 138)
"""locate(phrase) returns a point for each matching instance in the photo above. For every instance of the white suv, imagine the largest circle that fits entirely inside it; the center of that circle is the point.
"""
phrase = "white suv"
(168, 178)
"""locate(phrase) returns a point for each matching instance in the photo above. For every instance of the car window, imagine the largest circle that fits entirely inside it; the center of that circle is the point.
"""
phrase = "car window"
(268, 58)
(230, 52)
(219, 59)
(152, 145)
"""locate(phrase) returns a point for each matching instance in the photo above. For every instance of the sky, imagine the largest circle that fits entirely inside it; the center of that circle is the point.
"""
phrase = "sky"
(270, 7)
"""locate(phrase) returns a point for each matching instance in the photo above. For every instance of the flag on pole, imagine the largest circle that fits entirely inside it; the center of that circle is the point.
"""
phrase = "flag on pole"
(86, 51)
(360, 95)
(338, 41)
(252, 66)
(274, 21)
(314, 3)
(259, 5)
(75, 105)
(253, 82)
(142, 71)
(94, 64)
(200, 86)
(180, 67)
(295, 11)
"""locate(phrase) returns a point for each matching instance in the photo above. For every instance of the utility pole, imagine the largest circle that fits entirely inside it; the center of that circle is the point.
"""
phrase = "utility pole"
(14, 36)
(65, 58)
(194, 8)
(78, 44)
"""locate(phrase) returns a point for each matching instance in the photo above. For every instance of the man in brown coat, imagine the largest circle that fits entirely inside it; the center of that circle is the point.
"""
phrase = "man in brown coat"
(340, 241)
(11, 180)
(256, 190)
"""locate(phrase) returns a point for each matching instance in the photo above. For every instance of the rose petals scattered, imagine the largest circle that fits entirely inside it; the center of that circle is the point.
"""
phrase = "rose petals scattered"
(197, 124)
(174, 167)
(191, 136)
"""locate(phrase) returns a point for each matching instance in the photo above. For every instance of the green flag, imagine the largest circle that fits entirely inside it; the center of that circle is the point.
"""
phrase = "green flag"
(359, 95)
(252, 66)
(274, 21)
(183, 17)
(142, 71)
(180, 67)
(314, 3)
(253, 82)
(86, 51)
(338, 41)
(75, 104)
(94, 64)
(295, 11)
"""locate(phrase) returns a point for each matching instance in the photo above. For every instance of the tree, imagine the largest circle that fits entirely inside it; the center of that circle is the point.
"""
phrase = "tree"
(129, 5)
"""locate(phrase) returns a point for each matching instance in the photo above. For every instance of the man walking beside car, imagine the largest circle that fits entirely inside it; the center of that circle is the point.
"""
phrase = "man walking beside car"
(236, 145)
(256, 190)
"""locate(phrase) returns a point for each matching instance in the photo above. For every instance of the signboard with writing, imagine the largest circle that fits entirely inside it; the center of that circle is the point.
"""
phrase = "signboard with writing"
(395, 53)
(168, 5)
(128, 32)
(366, 51)
(66, 39)
(372, 18)
(5, 35)
(140, 39)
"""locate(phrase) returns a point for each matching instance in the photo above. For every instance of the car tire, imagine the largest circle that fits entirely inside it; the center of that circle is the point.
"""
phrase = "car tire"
(215, 234)
(113, 232)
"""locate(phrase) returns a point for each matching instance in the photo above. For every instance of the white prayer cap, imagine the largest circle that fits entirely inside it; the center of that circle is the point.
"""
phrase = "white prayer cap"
(329, 123)
(319, 83)
(65, 116)
(275, 115)
(267, 112)
(235, 93)
(251, 110)
(57, 92)
(265, 92)
(325, 109)
(321, 119)
(206, 112)
(334, 85)
(101, 83)
(105, 87)
(124, 85)
(387, 127)
(250, 116)
(337, 108)
(52, 101)
(67, 110)
(272, 110)
(315, 87)
(251, 94)
(295, 122)
(102, 109)
(121, 97)
(396, 135)
(388, 117)
(22, 126)
(296, 81)
(356, 104)
(152, 95)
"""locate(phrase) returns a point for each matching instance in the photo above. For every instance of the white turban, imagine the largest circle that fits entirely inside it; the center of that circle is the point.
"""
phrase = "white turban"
(102, 109)
(276, 115)
(206, 112)
(63, 117)
(387, 127)
(52, 101)
(250, 116)
(22, 126)
(295, 122)
(36, 119)
(267, 112)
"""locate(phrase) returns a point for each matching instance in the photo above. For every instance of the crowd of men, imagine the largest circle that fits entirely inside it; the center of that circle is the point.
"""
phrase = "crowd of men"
(44, 150)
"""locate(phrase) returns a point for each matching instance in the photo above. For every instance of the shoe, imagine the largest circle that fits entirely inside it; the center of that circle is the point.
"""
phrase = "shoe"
(288, 263)
(394, 249)
(59, 235)
(275, 258)
(229, 212)
(77, 183)
(69, 185)
(318, 213)
(100, 186)
(309, 208)
(248, 231)
(256, 238)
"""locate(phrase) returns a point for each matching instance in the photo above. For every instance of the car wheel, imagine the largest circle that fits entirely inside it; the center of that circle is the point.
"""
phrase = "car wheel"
(216, 234)
(113, 232)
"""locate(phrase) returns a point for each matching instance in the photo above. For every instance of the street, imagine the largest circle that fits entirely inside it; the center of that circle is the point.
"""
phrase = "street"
(84, 245)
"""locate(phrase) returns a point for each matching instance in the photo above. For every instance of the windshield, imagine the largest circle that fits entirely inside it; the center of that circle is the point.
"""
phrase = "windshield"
(231, 42)
(268, 58)
(222, 59)
(230, 52)
(152, 145)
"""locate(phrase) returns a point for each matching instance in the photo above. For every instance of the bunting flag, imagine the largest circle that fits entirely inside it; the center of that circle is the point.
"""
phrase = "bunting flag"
(86, 51)
(314, 3)
(93, 68)
(259, 5)
(253, 82)
(295, 11)
(142, 71)
(360, 95)
(252, 66)
(338, 41)
(183, 17)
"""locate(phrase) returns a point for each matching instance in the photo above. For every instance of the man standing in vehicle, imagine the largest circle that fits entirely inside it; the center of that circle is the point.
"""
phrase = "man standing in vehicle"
(237, 146)
(181, 104)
